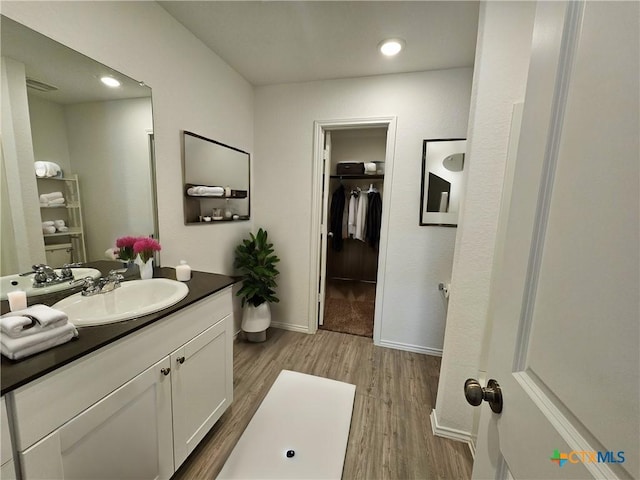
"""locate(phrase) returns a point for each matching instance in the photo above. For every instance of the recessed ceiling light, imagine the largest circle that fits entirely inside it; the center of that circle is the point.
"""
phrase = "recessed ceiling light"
(110, 82)
(391, 46)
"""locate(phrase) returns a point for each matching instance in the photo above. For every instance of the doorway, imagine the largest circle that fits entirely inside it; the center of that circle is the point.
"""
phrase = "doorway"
(353, 162)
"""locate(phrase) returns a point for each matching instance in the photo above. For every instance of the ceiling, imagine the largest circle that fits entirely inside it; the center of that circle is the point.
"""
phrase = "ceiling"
(270, 42)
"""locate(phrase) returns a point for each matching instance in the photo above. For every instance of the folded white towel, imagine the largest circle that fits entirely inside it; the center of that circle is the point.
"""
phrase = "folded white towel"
(44, 315)
(17, 326)
(47, 197)
(47, 169)
(48, 223)
(59, 223)
(56, 202)
(204, 191)
(50, 229)
(63, 228)
(16, 348)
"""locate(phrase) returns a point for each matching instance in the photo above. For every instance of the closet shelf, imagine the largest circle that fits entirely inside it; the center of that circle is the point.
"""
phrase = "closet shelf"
(358, 177)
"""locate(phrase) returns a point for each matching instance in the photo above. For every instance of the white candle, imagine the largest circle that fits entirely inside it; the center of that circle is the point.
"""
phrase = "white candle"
(17, 300)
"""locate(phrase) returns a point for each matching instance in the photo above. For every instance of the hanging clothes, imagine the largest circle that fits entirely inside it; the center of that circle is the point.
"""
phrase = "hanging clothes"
(353, 209)
(374, 219)
(361, 216)
(335, 219)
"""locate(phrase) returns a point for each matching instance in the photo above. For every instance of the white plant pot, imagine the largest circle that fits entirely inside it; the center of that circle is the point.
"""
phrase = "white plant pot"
(256, 319)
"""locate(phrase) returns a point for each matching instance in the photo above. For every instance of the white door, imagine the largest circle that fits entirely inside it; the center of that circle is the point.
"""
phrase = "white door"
(324, 230)
(201, 386)
(126, 435)
(565, 296)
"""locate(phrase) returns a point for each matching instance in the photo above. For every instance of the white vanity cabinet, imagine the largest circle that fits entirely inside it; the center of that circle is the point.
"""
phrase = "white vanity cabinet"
(7, 467)
(127, 434)
(135, 408)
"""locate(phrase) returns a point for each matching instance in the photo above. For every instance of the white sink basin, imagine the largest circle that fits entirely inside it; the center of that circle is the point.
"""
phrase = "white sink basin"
(132, 299)
(16, 282)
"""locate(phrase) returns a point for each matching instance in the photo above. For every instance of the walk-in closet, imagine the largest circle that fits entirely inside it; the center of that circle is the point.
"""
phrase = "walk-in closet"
(355, 187)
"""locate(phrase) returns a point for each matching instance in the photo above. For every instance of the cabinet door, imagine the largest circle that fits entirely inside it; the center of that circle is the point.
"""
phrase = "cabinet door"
(201, 386)
(7, 470)
(125, 435)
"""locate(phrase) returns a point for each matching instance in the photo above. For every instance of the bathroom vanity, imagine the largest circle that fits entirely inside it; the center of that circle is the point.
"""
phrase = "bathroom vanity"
(125, 400)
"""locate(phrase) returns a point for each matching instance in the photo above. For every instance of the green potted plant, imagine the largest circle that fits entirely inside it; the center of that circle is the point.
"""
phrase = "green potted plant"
(255, 259)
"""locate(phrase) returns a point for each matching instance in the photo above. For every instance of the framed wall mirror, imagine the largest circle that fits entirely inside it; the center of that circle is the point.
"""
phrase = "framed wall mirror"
(443, 163)
(215, 181)
(56, 109)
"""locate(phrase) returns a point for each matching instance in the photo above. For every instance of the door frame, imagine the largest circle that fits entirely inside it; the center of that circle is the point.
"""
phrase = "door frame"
(320, 203)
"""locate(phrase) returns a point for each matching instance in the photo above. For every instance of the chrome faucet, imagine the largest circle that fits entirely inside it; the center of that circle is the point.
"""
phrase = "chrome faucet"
(102, 285)
(46, 276)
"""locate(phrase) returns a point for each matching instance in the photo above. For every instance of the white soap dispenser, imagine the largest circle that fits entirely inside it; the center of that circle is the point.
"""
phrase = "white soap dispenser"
(183, 271)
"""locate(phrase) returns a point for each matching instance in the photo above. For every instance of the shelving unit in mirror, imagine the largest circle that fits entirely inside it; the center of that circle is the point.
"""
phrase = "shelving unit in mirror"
(61, 216)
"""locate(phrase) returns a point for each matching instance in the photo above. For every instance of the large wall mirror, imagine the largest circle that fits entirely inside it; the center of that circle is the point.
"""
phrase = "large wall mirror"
(443, 163)
(216, 181)
(56, 109)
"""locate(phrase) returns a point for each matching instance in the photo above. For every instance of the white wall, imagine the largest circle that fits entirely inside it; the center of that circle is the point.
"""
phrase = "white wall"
(427, 105)
(49, 132)
(502, 60)
(193, 89)
(109, 150)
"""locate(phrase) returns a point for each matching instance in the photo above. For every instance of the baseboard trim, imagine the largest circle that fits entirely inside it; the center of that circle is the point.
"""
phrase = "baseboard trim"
(288, 326)
(450, 433)
(436, 352)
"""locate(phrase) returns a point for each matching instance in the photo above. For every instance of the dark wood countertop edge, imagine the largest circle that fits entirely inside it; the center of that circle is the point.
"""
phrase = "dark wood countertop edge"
(16, 373)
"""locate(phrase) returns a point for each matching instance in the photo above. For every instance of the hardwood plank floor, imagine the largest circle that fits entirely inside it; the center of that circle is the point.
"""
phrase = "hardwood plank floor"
(390, 436)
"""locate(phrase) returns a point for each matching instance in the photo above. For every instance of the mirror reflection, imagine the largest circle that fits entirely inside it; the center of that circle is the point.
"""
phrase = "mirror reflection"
(443, 162)
(216, 181)
(77, 163)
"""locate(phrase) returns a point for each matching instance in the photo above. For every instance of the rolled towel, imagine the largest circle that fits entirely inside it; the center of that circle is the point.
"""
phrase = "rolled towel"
(203, 191)
(47, 197)
(48, 223)
(43, 314)
(56, 202)
(63, 228)
(50, 229)
(47, 169)
(58, 223)
(17, 326)
(16, 348)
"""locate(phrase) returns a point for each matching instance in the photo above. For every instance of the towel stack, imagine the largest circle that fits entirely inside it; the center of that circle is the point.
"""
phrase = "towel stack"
(32, 330)
(47, 169)
(53, 199)
(53, 226)
(204, 191)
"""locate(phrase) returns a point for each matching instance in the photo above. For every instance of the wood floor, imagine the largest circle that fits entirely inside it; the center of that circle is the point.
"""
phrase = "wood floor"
(390, 435)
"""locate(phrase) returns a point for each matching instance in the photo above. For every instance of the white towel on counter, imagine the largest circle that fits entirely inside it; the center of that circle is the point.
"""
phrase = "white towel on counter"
(43, 314)
(47, 169)
(204, 191)
(17, 326)
(16, 348)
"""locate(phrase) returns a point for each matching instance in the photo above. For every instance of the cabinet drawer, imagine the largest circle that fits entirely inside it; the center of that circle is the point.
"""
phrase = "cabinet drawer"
(45, 404)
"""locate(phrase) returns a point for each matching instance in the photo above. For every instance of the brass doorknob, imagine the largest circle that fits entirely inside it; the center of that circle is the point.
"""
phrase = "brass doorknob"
(475, 394)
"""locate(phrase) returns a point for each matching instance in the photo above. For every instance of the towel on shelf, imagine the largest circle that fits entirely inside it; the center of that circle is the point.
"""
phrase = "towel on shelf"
(59, 223)
(49, 197)
(47, 169)
(369, 168)
(48, 223)
(62, 229)
(49, 229)
(204, 191)
(16, 348)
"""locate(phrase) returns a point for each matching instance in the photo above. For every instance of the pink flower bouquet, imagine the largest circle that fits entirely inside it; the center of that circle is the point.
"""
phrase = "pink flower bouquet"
(125, 248)
(145, 247)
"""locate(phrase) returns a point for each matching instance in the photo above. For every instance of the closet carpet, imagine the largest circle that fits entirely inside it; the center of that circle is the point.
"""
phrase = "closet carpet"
(349, 307)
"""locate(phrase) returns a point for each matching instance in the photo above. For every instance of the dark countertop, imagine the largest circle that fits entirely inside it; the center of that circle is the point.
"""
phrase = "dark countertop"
(15, 373)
